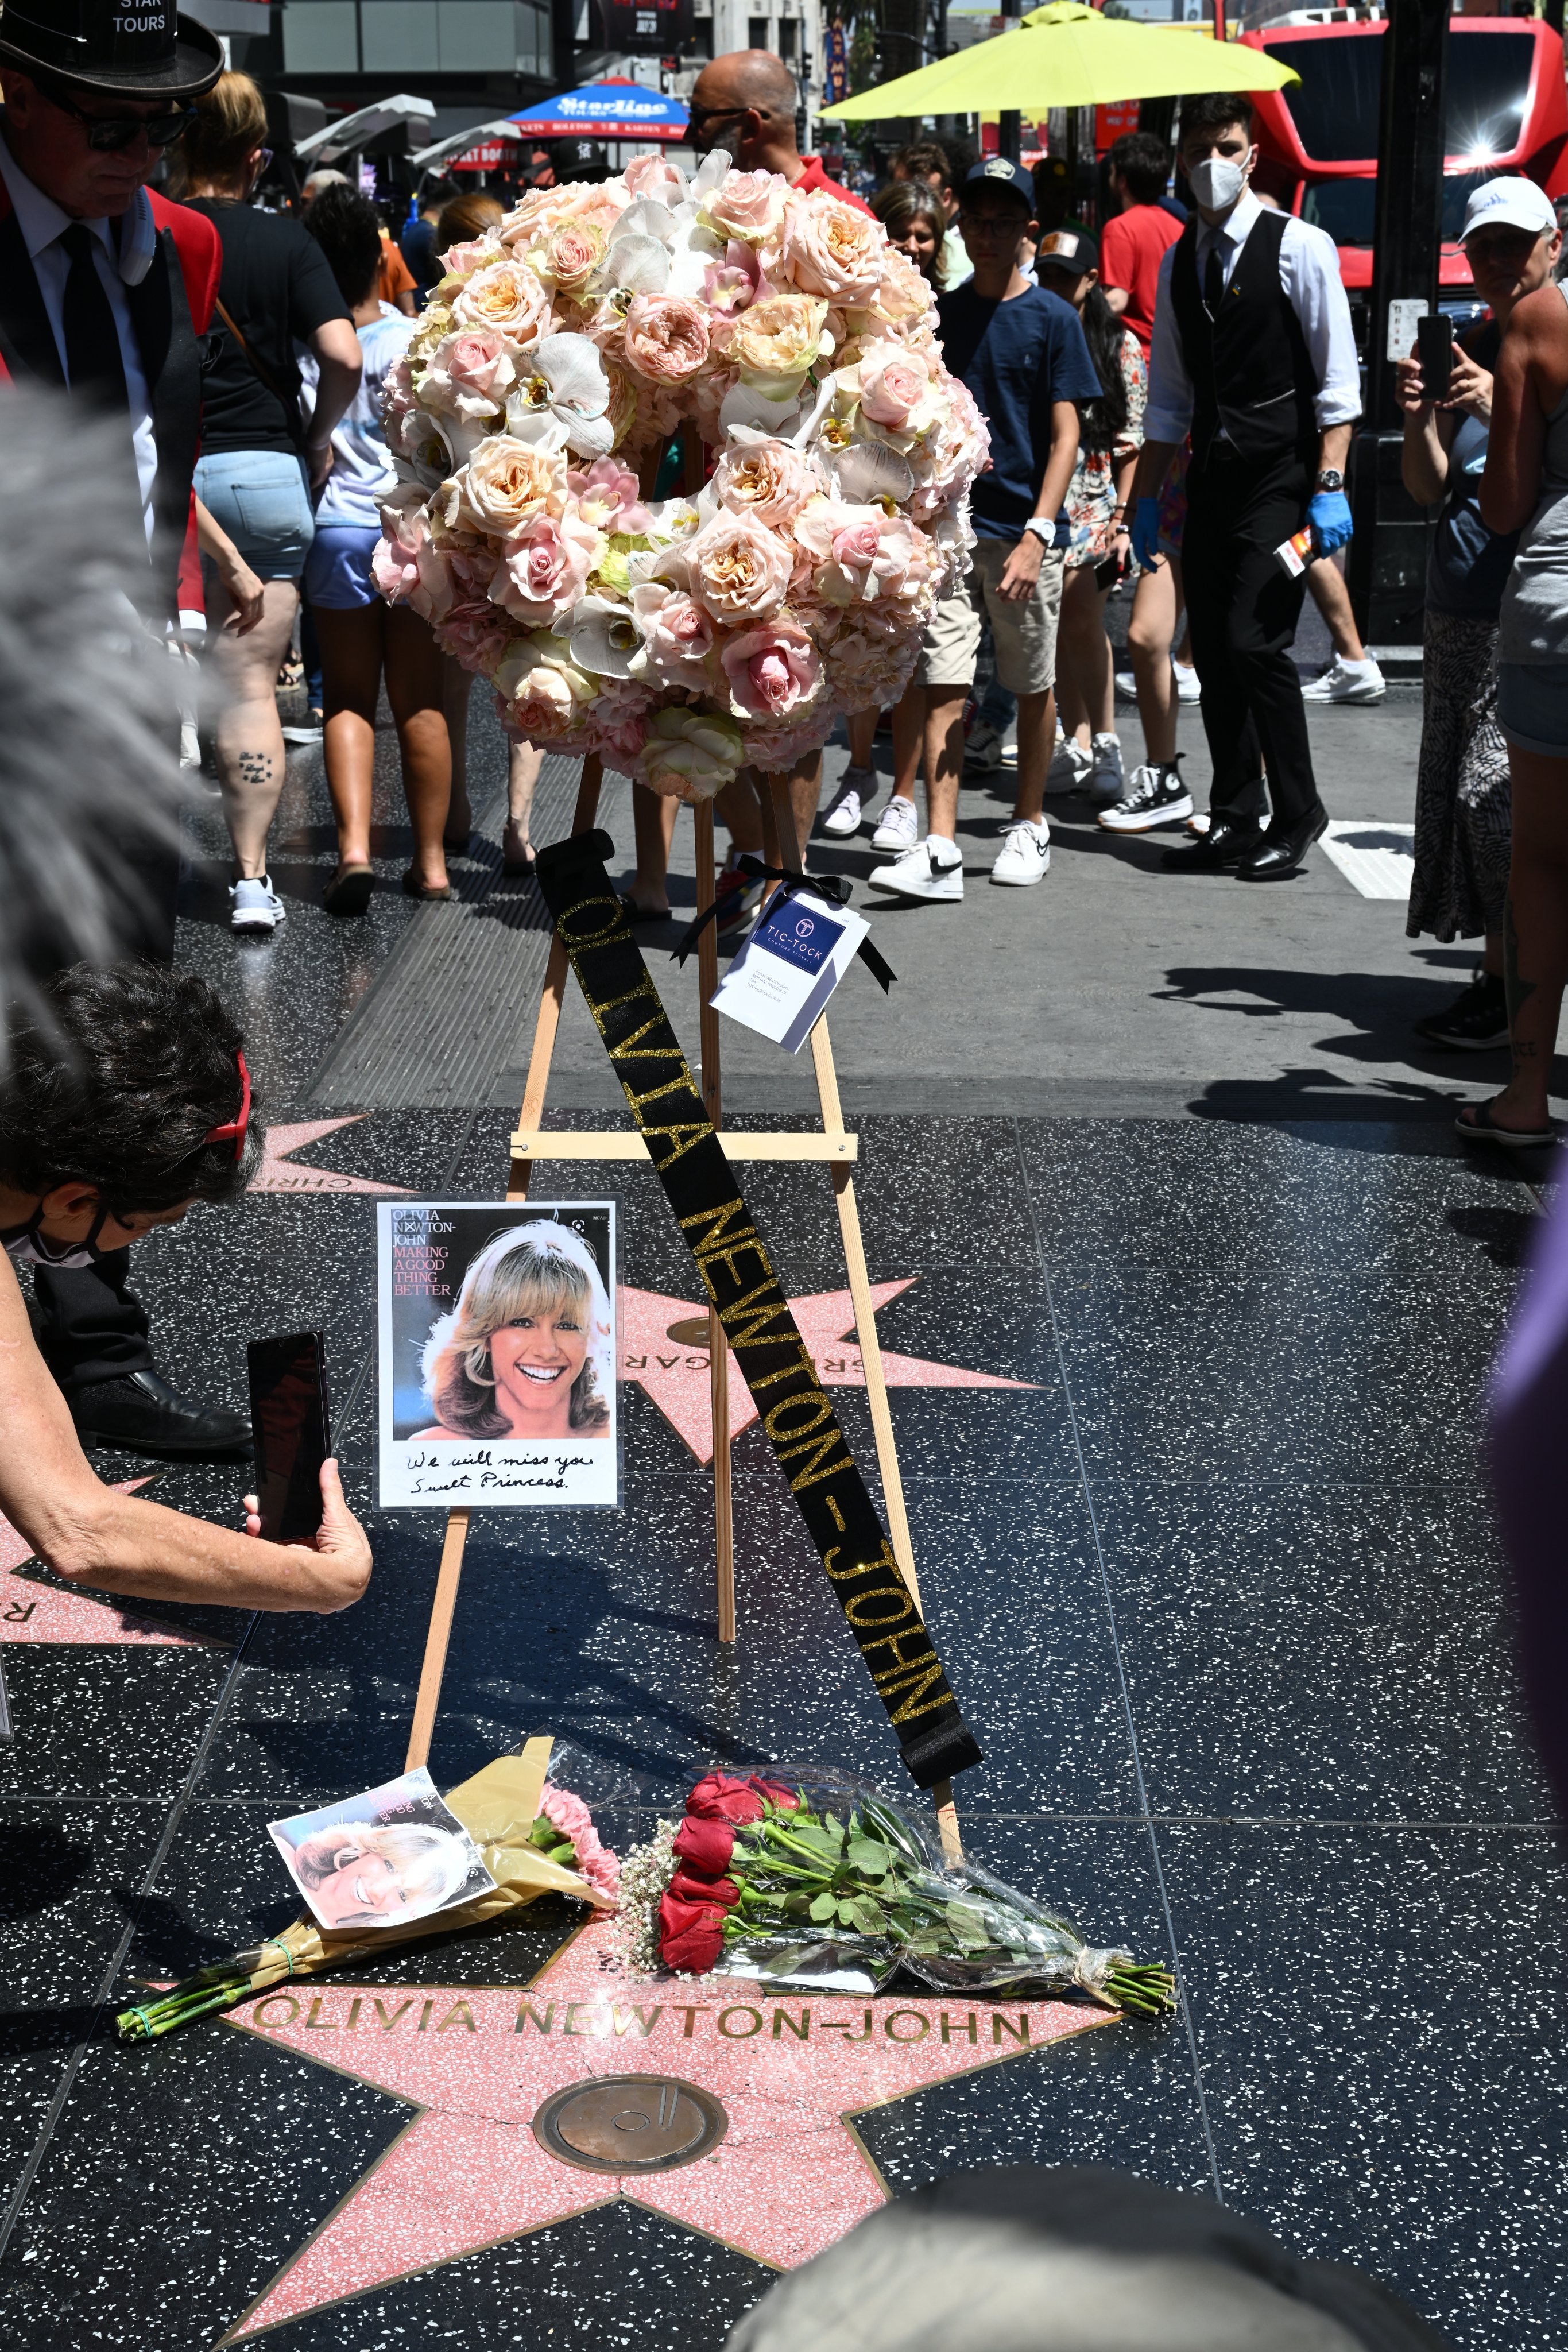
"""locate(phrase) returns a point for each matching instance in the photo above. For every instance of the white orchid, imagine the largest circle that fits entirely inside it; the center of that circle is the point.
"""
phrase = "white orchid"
(635, 265)
(867, 472)
(746, 408)
(563, 388)
(604, 638)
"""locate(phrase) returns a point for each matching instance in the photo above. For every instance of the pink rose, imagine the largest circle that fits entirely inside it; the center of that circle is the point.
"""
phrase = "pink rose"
(861, 552)
(678, 637)
(397, 389)
(903, 293)
(738, 569)
(666, 338)
(463, 260)
(470, 373)
(544, 568)
(773, 670)
(571, 257)
(828, 248)
(651, 175)
(509, 298)
(893, 381)
(748, 204)
(609, 497)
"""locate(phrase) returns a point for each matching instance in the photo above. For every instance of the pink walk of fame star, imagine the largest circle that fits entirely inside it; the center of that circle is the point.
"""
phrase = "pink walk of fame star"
(37, 1612)
(278, 1173)
(788, 2178)
(675, 1373)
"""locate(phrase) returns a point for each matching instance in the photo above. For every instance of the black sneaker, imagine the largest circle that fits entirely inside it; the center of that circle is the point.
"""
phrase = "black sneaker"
(1475, 1022)
(1156, 795)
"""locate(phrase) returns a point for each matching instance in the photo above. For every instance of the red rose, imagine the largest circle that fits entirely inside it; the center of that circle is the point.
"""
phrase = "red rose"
(719, 1798)
(776, 1789)
(705, 1845)
(694, 1886)
(690, 1935)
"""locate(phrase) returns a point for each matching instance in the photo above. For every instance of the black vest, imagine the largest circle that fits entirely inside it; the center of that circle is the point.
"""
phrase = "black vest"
(1249, 367)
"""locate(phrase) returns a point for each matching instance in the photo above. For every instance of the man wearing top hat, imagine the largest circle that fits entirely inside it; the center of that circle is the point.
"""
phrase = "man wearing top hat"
(106, 289)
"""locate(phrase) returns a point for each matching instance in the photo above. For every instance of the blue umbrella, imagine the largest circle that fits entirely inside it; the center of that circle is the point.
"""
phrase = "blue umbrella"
(606, 110)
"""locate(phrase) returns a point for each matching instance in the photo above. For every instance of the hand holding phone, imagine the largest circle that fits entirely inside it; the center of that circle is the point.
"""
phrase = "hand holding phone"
(1435, 349)
(290, 1418)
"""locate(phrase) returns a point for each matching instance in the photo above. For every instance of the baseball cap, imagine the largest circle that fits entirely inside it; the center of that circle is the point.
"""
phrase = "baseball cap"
(1509, 203)
(1069, 248)
(570, 155)
(998, 173)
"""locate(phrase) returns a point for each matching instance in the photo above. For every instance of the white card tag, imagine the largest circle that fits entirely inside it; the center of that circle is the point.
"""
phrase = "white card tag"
(783, 977)
(1402, 317)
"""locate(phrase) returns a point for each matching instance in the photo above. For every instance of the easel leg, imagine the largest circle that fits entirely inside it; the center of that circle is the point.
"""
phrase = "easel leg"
(718, 1345)
(776, 801)
(451, 1570)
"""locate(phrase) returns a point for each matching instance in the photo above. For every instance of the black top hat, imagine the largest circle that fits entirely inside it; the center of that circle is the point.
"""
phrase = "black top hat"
(124, 48)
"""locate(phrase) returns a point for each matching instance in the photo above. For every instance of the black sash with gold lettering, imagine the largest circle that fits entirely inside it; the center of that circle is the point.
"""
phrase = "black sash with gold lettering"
(738, 1273)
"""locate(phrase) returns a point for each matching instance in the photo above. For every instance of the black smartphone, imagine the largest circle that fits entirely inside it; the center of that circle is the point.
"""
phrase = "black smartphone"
(1435, 349)
(1108, 570)
(292, 1429)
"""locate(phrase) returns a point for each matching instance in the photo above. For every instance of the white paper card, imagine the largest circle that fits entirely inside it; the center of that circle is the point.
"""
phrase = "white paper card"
(1402, 317)
(790, 967)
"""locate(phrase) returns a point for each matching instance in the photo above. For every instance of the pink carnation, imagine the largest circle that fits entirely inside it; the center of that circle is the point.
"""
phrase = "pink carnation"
(572, 1818)
(773, 670)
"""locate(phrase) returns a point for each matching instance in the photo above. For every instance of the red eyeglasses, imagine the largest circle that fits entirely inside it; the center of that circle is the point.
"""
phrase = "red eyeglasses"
(235, 1127)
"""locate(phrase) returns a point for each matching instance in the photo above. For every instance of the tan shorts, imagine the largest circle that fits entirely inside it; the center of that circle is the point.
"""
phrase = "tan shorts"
(1024, 632)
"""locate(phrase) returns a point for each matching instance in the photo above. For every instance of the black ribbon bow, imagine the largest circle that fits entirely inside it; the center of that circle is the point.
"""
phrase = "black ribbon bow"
(831, 886)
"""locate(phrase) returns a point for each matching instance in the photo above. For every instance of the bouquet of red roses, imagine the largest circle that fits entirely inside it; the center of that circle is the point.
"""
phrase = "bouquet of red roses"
(814, 1878)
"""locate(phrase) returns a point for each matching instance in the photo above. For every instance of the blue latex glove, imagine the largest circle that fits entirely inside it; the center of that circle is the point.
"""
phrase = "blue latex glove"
(1329, 514)
(1146, 534)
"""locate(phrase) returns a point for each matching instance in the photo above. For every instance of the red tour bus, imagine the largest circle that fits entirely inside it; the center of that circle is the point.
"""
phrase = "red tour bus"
(1505, 110)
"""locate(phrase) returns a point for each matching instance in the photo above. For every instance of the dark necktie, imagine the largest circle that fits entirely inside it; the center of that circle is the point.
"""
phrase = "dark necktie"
(94, 367)
(1213, 282)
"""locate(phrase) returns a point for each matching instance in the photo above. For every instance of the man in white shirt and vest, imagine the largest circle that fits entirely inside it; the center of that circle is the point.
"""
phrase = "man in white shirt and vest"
(1253, 354)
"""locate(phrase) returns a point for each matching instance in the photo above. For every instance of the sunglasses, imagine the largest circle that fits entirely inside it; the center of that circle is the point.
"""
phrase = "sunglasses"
(697, 115)
(107, 133)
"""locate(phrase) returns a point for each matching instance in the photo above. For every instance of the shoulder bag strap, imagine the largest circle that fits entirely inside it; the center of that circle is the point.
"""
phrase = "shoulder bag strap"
(290, 407)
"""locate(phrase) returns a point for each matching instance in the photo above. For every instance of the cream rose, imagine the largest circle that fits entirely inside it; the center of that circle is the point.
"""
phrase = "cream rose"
(545, 694)
(666, 339)
(678, 638)
(779, 336)
(504, 484)
(828, 248)
(768, 479)
(507, 298)
(893, 381)
(738, 569)
(569, 257)
(470, 373)
(692, 754)
(748, 205)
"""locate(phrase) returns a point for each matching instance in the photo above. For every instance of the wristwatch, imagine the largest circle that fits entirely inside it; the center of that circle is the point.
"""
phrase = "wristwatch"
(1330, 478)
(1043, 529)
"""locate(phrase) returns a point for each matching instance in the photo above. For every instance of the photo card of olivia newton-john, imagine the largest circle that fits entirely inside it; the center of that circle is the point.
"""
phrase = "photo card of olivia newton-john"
(497, 1350)
(383, 1858)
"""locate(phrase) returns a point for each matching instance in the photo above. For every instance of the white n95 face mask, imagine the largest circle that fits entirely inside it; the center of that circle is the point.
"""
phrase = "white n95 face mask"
(1216, 182)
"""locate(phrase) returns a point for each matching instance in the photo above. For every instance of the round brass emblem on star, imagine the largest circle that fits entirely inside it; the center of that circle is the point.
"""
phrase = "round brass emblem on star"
(631, 2123)
(695, 1332)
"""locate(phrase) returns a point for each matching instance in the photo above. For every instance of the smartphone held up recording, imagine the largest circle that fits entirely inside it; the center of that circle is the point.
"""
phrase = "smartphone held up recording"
(292, 1427)
(1434, 352)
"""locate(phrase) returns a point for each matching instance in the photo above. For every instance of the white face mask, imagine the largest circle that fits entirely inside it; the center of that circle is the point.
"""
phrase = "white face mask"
(1216, 182)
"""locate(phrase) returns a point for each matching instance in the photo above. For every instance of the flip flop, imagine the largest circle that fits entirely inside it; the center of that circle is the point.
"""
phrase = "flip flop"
(414, 888)
(348, 892)
(1481, 1128)
(636, 914)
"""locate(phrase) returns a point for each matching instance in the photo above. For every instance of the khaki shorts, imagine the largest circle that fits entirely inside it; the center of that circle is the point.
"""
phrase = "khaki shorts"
(1024, 632)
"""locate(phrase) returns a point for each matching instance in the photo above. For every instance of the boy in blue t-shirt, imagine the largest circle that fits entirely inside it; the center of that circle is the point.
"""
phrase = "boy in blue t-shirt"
(1021, 352)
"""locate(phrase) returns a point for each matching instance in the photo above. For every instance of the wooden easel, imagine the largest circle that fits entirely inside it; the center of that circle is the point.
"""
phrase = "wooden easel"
(830, 1144)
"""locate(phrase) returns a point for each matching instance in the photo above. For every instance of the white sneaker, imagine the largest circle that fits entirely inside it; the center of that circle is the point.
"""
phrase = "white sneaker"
(256, 906)
(1156, 795)
(1106, 784)
(843, 818)
(1345, 681)
(1187, 685)
(899, 827)
(1069, 767)
(1025, 853)
(1126, 686)
(921, 873)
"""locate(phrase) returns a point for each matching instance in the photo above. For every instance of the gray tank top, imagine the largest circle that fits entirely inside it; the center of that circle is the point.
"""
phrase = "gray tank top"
(1533, 627)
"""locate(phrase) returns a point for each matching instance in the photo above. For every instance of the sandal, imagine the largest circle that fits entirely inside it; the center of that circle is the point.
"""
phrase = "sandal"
(515, 866)
(636, 914)
(413, 887)
(1481, 1127)
(349, 891)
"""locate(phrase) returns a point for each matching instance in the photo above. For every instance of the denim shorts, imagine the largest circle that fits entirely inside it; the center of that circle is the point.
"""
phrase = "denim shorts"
(1532, 707)
(337, 571)
(260, 496)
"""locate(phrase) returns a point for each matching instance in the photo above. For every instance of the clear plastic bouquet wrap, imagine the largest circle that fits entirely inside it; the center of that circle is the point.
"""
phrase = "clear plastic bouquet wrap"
(808, 1877)
(679, 639)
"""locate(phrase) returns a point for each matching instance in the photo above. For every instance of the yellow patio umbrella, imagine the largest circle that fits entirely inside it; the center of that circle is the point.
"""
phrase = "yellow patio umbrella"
(1068, 54)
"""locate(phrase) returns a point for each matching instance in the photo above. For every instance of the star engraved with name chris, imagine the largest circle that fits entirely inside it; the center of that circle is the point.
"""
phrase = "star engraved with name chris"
(478, 2062)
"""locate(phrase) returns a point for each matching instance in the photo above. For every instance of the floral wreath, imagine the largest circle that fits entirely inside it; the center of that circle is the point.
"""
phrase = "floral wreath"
(681, 638)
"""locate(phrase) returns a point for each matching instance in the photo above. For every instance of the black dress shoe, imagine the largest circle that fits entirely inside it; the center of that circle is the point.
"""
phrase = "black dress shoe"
(1228, 841)
(1283, 848)
(142, 1412)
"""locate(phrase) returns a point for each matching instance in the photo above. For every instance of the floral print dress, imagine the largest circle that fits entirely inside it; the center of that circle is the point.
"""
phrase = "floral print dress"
(1092, 493)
